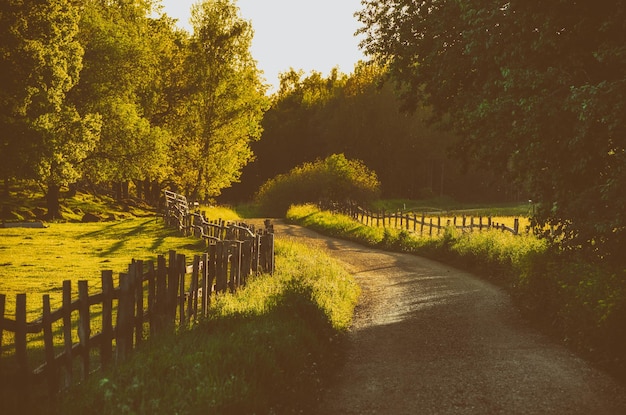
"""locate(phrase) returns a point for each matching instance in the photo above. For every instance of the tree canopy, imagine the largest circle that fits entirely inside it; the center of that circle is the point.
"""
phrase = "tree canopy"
(312, 117)
(534, 90)
(112, 92)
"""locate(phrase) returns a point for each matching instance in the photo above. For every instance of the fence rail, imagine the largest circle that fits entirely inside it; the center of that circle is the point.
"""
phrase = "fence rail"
(411, 221)
(103, 328)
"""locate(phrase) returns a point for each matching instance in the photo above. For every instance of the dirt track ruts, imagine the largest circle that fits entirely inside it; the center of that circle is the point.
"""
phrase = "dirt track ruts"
(430, 339)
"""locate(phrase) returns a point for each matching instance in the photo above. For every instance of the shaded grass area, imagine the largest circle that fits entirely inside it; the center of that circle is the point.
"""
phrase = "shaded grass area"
(264, 349)
(581, 304)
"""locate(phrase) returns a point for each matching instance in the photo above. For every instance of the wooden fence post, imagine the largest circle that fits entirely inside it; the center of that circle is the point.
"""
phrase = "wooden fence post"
(221, 252)
(124, 319)
(516, 226)
(160, 308)
(212, 271)
(21, 353)
(246, 260)
(139, 309)
(151, 297)
(67, 331)
(172, 286)
(106, 346)
(51, 372)
(192, 300)
(206, 291)
(181, 270)
(422, 224)
(84, 327)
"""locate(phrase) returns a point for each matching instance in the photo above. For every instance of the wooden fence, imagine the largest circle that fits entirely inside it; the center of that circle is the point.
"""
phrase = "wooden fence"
(411, 221)
(97, 330)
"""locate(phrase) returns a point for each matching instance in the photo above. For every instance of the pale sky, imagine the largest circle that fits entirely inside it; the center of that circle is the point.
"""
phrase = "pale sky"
(303, 34)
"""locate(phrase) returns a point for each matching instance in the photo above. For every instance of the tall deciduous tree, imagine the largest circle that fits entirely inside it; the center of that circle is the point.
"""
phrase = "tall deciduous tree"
(43, 137)
(534, 89)
(121, 82)
(223, 104)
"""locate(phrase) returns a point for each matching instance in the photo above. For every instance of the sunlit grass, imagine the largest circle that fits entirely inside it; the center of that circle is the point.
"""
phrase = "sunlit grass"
(262, 350)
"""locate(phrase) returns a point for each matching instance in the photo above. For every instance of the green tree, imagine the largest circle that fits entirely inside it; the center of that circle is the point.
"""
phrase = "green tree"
(43, 136)
(358, 115)
(122, 81)
(220, 112)
(535, 90)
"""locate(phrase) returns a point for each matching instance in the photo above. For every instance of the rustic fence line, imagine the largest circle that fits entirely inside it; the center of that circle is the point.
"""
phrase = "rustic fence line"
(159, 296)
(148, 299)
(411, 221)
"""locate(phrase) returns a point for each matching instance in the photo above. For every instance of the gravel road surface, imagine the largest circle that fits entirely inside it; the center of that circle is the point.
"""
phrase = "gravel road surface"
(430, 339)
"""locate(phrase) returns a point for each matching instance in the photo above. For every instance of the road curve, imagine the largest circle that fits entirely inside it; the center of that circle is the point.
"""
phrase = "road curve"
(430, 339)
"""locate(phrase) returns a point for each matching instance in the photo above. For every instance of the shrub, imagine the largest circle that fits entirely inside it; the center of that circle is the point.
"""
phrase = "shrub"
(335, 178)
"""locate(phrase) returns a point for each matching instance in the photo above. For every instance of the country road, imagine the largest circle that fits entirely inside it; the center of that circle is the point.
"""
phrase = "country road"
(430, 339)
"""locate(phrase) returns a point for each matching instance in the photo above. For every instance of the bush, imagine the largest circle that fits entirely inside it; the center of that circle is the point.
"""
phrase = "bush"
(332, 179)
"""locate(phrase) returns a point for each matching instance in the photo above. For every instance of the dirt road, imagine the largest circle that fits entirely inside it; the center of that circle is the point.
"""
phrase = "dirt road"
(430, 339)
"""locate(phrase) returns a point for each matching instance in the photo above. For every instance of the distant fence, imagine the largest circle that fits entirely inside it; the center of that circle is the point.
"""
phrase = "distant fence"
(241, 239)
(419, 223)
(149, 299)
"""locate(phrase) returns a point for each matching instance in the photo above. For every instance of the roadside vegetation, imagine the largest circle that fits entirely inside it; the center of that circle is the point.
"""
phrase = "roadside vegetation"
(582, 303)
(264, 349)
(333, 178)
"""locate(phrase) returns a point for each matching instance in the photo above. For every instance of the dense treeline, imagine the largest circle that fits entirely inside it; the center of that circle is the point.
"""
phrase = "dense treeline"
(533, 89)
(359, 115)
(111, 92)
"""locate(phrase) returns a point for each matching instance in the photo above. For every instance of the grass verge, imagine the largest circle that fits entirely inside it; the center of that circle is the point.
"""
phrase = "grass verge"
(264, 349)
(582, 304)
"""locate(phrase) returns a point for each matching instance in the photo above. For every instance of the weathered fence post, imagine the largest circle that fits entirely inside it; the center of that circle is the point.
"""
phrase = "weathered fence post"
(84, 327)
(172, 286)
(161, 306)
(124, 319)
(138, 286)
(221, 266)
(206, 290)
(106, 346)
(67, 331)
(181, 269)
(51, 372)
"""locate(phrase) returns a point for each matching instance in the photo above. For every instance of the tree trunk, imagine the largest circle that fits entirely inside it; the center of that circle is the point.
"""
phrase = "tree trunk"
(125, 190)
(117, 190)
(6, 188)
(52, 202)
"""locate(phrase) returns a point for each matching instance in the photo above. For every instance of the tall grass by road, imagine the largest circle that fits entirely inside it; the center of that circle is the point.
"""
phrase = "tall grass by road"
(581, 303)
(264, 349)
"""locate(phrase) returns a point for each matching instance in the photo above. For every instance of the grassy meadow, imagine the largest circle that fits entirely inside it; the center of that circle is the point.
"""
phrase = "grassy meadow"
(36, 261)
(263, 349)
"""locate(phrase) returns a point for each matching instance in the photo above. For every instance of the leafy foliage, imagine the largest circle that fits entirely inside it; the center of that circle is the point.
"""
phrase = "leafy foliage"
(534, 90)
(43, 136)
(333, 179)
(359, 115)
(110, 92)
